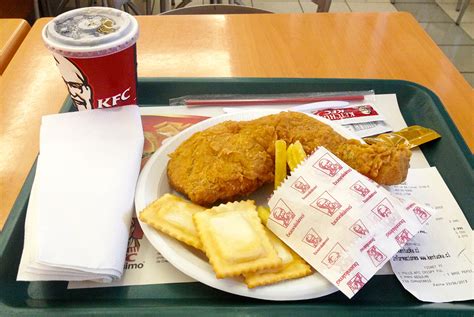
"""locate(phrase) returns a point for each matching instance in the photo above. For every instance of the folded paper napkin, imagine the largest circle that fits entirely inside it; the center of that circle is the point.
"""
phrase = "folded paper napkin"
(81, 202)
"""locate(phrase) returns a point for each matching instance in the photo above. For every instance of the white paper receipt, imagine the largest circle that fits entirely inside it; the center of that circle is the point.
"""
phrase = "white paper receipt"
(342, 223)
(437, 264)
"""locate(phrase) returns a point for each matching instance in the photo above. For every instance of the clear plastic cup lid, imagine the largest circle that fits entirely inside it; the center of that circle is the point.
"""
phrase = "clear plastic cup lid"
(91, 32)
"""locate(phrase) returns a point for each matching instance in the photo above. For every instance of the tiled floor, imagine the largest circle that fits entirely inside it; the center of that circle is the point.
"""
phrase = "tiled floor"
(435, 16)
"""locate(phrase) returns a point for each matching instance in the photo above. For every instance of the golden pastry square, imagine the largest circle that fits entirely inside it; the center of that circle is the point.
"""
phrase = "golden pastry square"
(293, 266)
(173, 216)
(234, 239)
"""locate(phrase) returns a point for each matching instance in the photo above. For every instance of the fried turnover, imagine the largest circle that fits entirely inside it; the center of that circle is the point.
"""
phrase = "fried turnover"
(239, 244)
(293, 266)
(235, 240)
(173, 216)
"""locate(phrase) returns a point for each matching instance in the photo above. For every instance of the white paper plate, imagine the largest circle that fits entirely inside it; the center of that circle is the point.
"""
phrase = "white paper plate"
(153, 183)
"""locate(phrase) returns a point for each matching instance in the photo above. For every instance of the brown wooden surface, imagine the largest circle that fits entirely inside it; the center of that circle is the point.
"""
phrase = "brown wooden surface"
(22, 9)
(12, 33)
(342, 45)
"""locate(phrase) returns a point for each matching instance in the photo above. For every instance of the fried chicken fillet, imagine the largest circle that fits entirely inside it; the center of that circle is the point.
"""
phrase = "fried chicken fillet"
(234, 159)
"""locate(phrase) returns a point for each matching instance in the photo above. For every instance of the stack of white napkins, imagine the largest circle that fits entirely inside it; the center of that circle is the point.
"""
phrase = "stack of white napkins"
(81, 204)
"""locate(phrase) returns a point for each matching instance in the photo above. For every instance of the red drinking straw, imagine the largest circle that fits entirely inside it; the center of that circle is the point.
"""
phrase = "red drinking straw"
(267, 101)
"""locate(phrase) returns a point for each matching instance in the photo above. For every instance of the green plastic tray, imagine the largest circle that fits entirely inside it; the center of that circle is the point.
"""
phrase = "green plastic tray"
(383, 296)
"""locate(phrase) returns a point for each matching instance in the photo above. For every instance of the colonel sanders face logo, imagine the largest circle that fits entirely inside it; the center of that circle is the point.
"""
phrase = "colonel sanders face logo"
(403, 237)
(357, 282)
(376, 255)
(336, 253)
(333, 257)
(300, 186)
(421, 214)
(329, 206)
(76, 82)
(357, 228)
(364, 109)
(360, 189)
(330, 167)
(283, 216)
(383, 211)
(136, 234)
(312, 239)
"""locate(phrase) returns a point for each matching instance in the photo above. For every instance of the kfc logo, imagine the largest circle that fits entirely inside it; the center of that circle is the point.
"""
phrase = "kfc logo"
(76, 83)
(376, 256)
(282, 214)
(312, 238)
(403, 237)
(357, 282)
(383, 208)
(365, 109)
(359, 228)
(328, 165)
(360, 189)
(326, 204)
(114, 100)
(136, 234)
(333, 256)
(421, 214)
(300, 185)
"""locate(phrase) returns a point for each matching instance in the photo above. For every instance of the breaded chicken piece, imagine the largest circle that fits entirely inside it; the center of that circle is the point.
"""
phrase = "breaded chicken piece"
(234, 159)
(222, 162)
(387, 165)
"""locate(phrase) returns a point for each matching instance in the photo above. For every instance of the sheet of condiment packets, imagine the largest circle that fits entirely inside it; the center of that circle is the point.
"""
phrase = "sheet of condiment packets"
(342, 223)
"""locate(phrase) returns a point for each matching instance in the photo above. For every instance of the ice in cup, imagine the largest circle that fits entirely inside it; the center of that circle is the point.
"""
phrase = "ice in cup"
(95, 51)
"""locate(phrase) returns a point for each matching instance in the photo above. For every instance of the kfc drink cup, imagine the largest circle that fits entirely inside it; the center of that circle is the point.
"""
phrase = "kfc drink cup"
(95, 51)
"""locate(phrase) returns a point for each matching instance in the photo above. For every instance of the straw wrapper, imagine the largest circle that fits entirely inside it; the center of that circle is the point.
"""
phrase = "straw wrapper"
(342, 223)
